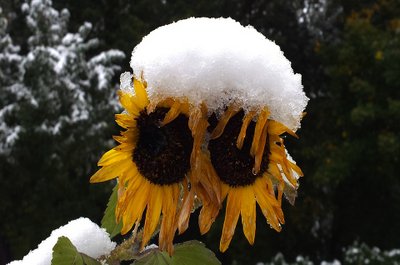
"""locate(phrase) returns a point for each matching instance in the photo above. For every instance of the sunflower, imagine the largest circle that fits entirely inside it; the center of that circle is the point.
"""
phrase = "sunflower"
(204, 134)
(156, 139)
(252, 167)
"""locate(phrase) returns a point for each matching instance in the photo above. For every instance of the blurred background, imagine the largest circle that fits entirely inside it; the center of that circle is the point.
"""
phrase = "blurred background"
(60, 63)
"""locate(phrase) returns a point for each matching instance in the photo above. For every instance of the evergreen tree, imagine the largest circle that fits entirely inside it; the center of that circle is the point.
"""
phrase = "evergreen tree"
(361, 143)
(56, 110)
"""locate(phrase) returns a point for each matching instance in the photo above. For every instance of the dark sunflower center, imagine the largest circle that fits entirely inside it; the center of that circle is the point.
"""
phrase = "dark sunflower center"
(235, 166)
(162, 154)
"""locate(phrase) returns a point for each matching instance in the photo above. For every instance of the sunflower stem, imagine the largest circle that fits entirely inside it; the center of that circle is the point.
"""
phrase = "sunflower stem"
(129, 249)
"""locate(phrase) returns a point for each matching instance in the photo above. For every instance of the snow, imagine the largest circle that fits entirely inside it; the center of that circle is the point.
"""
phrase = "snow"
(126, 82)
(85, 235)
(393, 253)
(218, 61)
(334, 262)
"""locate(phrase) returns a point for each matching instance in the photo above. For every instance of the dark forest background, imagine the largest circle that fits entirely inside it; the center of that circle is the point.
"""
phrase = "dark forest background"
(348, 53)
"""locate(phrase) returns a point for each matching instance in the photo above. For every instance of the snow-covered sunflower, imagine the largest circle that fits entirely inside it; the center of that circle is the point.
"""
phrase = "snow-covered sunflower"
(204, 121)
(156, 139)
(249, 157)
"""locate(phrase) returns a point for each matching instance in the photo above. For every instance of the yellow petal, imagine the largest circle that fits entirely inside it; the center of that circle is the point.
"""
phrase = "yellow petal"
(186, 209)
(228, 114)
(274, 171)
(266, 202)
(168, 225)
(129, 183)
(242, 135)
(127, 102)
(173, 112)
(260, 149)
(207, 216)
(153, 212)
(258, 130)
(136, 206)
(277, 128)
(125, 120)
(141, 94)
(111, 171)
(296, 168)
(248, 213)
(112, 156)
(198, 125)
(233, 206)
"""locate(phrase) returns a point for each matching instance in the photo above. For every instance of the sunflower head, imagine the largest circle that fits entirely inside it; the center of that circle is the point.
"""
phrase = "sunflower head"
(203, 122)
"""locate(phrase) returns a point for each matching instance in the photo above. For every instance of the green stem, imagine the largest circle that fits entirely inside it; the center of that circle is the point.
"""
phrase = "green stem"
(129, 249)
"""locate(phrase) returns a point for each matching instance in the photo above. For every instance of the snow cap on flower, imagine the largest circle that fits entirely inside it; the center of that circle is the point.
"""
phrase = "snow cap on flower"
(217, 61)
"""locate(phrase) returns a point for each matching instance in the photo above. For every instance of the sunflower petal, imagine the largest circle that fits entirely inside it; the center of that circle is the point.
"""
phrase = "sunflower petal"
(168, 226)
(152, 213)
(127, 102)
(207, 216)
(242, 135)
(186, 210)
(258, 130)
(248, 213)
(228, 114)
(267, 203)
(112, 156)
(141, 94)
(125, 120)
(233, 206)
(173, 112)
(111, 171)
(260, 150)
(277, 128)
(136, 205)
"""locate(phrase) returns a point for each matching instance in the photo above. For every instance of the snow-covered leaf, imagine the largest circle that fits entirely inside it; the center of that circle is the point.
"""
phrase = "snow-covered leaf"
(65, 253)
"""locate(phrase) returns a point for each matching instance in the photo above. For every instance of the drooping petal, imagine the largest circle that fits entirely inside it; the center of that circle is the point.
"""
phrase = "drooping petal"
(233, 206)
(258, 130)
(173, 112)
(248, 213)
(186, 209)
(267, 203)
(277, 128)
(242, 135)
(168, 225)
(207, 216)
(260, 149)
(136, 205)
(153, 212)
(228, 114)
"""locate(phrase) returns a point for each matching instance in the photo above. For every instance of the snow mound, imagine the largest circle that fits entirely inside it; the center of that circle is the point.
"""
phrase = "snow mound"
(85, 235)
(218, 61)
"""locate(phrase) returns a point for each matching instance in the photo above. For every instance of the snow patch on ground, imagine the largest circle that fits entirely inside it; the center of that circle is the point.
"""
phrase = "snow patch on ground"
(85, 235)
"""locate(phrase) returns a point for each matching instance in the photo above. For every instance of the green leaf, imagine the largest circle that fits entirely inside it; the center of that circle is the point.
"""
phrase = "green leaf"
(191, 252)
(108, 222)
(194, 253)
(65, 253)
(155, 257)
(89, 260)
